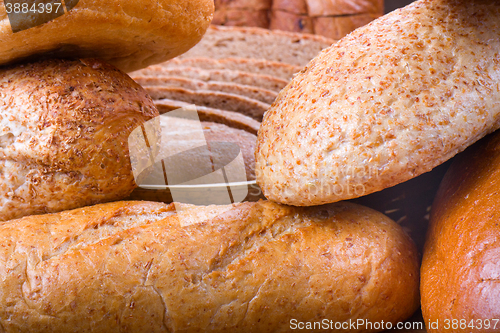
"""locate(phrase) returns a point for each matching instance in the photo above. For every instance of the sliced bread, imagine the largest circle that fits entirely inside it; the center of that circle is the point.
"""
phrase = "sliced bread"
(229, 118)
(260, 94)
(258, 43)
(223, 75)
(258, 66)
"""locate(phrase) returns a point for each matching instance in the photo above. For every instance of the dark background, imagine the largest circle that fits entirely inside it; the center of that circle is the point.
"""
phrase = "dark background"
(390, 5)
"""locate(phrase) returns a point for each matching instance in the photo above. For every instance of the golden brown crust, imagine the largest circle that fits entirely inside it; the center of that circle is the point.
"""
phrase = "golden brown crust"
(460, 269)
(126, 33)
(250, 267)
(390, 101)
(64, 128)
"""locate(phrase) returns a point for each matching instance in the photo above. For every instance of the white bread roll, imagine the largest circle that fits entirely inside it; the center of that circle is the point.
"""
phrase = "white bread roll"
(251, 267)
(64, 128)
(390, 101)
(129, 34)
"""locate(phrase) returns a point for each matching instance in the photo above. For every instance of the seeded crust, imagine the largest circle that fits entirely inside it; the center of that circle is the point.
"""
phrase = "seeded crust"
(64, 129)
(389, 102)
(129, 34)
(246, 268)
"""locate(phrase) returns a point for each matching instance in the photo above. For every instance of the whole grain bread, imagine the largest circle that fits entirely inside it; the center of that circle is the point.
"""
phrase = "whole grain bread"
(250, 267)
(229, 118)
(212, 99)
(387, 103)
(221, 75)
(258, 66)
(257, 43)
(260, 94)
(63, 135)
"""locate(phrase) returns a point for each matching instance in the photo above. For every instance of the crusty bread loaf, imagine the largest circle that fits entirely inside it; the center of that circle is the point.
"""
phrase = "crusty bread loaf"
(63, 132)
(460, 265)
(257, 43)
(126, 33)
(229, 118)
(251, 267)
(213, 99)
(222, 75)
(390, 101)
(256, 93)
(258, 66)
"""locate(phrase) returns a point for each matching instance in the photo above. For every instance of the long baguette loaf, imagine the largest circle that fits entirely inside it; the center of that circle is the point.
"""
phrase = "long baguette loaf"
(251, 267)
(391, 101)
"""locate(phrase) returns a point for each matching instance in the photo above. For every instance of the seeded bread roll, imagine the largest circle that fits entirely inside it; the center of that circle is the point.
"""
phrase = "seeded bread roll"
(460, 268)
(390, 101)
(250, 267)
(64, 129)
(126, 33)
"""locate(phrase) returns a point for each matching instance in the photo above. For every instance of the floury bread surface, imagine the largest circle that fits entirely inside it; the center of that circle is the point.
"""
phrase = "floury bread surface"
(390, 101)
(250, 267)
(64, 128)
(129, 34)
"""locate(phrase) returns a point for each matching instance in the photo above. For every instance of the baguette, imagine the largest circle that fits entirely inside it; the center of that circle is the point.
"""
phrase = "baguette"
(461, 255)
(250, 267)
(63, 132)
(126, 33)
(391, 101)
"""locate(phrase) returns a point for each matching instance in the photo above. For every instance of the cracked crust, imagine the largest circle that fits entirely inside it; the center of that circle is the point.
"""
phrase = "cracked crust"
(387, 103)
(126, 33)
(249, 267)
(64, 129)
(460, 272)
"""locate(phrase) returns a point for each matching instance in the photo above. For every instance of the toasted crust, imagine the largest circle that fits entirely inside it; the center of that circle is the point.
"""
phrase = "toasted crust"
(390, 101)
(64, 130)
(250, 267)
(461, 255)
(128, 34)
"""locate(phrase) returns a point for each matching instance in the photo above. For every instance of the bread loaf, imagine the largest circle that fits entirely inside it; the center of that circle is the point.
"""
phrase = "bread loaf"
(64, 127)
(251, 267)
(126, 33)
(390, 101)
(460, 269)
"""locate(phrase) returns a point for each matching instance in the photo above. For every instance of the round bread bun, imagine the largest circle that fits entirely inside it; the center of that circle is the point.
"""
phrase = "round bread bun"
(128, 34)
(64, 128)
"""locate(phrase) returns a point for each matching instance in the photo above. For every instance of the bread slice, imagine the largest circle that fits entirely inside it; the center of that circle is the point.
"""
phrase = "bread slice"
(390, 101)
(251, 42)
(260, 94)
(229, 118)
(213, 99)
(258, 66)
(222, 75)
